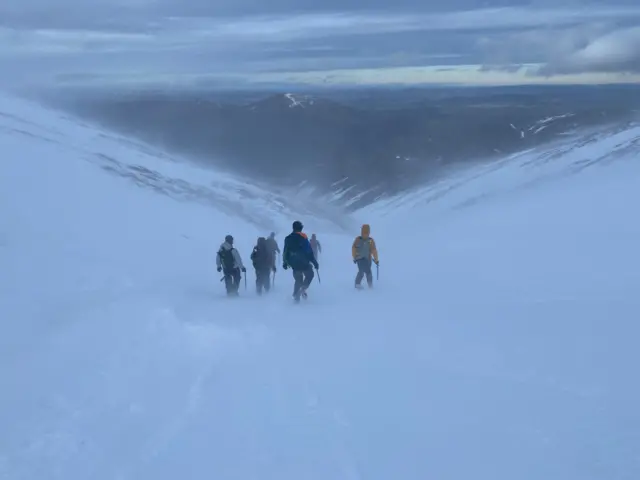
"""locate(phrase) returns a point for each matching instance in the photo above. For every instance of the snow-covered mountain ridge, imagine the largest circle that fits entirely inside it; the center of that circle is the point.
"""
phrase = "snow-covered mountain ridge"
(152, 168)
(499, 180)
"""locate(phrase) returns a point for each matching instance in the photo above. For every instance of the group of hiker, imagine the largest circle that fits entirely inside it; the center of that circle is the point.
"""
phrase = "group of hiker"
(299, 253)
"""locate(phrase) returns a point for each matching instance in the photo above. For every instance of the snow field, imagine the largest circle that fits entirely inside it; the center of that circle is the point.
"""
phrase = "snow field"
(498, 344)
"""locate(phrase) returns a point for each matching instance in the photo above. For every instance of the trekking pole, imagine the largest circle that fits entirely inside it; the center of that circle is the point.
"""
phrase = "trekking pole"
(318, 275)
(245, 281)
(377, 271)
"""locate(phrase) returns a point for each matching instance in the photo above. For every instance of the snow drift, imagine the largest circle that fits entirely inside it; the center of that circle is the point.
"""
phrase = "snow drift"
(499, 342)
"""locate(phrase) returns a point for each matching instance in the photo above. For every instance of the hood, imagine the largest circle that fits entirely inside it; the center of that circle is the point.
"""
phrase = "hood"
(365, 231)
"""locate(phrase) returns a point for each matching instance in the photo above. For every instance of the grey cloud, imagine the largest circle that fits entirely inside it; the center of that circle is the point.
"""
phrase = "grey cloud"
(617, 51)
(591, 48)
(541, 45)
(186, 32)
(277, 28)
(43, 9)
(158, 38)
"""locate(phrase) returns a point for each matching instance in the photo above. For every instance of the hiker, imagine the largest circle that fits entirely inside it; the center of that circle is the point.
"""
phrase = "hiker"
(299, 256)
(363, 251)
(263, 264)
(315, 245)
(229, 262)
(272, 246)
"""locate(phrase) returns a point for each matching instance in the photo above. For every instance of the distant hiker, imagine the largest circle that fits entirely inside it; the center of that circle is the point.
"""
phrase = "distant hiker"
(262, 262)
(229, 262)
(315, 245)
(273, 248)
(298, 255)
(363, 250)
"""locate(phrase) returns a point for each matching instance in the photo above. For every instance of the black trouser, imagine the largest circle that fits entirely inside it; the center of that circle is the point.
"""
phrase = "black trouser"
(232, 280)
(364, 268)
(303, 278)
(263, 279)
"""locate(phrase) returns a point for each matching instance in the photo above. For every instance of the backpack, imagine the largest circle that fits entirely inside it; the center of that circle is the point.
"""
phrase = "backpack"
(271, 244)
(362, 242)
(226, 258)
(261, 257)
(298, 250)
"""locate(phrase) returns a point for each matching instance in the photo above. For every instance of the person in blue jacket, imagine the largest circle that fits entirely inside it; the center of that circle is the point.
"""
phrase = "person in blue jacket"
(298, 255)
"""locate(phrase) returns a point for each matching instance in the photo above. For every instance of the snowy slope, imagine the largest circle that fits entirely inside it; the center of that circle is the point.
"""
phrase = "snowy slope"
(153, 169)
(498, 344)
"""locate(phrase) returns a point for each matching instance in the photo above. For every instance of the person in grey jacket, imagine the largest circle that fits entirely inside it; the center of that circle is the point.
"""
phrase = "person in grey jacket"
(315, 245)
(229, 262)
(272, 246)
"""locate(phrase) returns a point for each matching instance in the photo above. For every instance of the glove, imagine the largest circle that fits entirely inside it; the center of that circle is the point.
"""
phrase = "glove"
(316, 265)
(273, 269)
(376, 262)
(285, 266)
(355, 261)
(244, 270)
(219, 269)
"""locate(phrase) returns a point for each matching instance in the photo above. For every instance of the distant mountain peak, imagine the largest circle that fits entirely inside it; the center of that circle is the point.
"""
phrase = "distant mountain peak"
(296, 100)
(285, 101)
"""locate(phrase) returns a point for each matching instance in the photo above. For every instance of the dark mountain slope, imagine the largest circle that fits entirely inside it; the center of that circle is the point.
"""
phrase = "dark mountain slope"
(287, 138)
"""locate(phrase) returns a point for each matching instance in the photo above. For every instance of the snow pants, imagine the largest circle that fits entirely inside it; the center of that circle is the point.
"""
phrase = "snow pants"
(364, 269)
(263, 280)
(303, 278)
(232, 281)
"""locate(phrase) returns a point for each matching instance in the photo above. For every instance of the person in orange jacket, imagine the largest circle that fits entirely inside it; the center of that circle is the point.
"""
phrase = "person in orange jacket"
(364, 250)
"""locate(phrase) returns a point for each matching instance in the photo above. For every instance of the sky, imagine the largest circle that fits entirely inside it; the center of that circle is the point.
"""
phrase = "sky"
(203, 43)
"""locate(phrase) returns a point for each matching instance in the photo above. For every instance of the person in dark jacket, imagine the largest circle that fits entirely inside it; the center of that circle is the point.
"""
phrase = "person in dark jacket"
(229, 262)
(272, 245)
(263, 264)
(298, 255)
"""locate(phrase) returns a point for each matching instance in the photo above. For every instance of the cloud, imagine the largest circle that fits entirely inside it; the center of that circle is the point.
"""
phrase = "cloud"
(15, 42)
(191, 31)
(596, 48)
(434, 75)
(166, 39)
(281, 28)
(617, 51)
